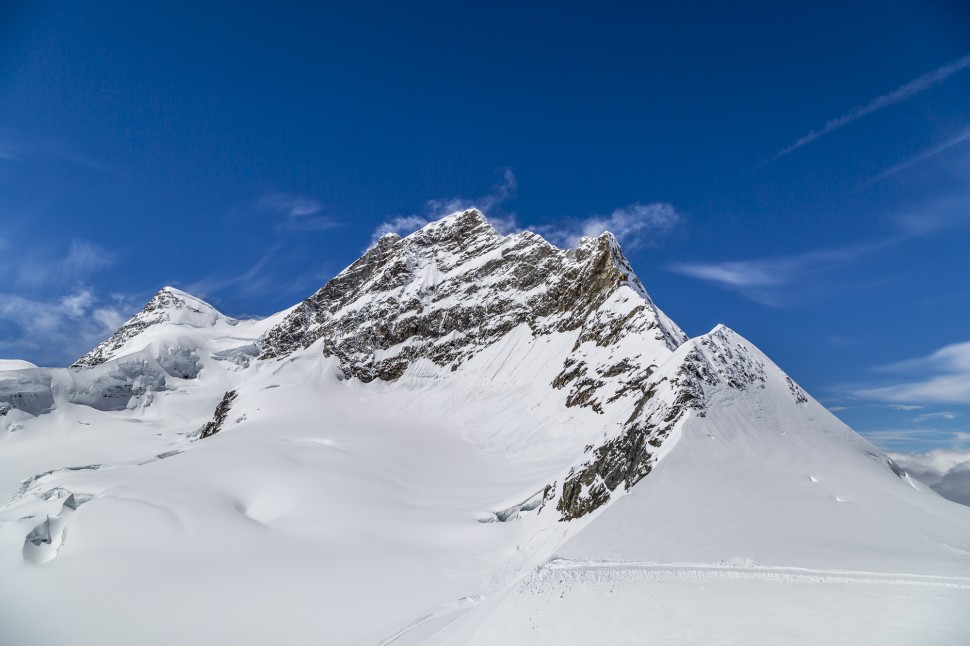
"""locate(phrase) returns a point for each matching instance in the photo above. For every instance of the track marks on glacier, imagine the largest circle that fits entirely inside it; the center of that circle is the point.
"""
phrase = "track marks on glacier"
(566, 574)
(735, 569)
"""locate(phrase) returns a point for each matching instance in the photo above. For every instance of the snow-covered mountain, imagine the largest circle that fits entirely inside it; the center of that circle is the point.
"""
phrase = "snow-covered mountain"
(462, 438)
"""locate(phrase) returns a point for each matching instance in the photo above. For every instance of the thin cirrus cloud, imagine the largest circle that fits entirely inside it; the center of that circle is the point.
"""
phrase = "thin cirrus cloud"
(903, 92)
(770, 280)
(296, 212)
(953, 142)
(945, 379)
(82, 259)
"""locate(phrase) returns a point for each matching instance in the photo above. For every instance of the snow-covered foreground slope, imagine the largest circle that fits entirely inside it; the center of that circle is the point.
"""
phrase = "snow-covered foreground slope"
(768, 522)
(462, 438)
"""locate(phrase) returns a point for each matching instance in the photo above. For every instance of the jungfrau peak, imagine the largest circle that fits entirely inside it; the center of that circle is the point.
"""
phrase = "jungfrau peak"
(462, 438)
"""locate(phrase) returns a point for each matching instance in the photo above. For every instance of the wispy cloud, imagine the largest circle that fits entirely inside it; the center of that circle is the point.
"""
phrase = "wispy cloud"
(255, 280)
(960, 138)
(82, 259)
(401, 225)
(296, 212)
(903, 92)
(48, 311)
(15, 148)
(635, 225)
(908, 437)
(437, 208)
(946, 415)
(500, 193)
(768, 280)
(57, 330)
(945, 380)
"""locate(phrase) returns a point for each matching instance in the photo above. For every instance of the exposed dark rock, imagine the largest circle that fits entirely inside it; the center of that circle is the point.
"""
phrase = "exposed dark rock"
(219, 417)
(715, 360)
(453, 288)
(624, 460)
(796, 391)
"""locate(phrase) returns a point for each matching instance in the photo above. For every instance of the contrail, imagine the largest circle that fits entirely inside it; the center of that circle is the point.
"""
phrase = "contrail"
(901, 93)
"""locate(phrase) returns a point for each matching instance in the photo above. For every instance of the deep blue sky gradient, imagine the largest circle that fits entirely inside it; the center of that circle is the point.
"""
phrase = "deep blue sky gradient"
(248, 153)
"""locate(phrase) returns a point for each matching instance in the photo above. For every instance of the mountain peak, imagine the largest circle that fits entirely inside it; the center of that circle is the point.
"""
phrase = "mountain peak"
(168, 305)
(459, 278)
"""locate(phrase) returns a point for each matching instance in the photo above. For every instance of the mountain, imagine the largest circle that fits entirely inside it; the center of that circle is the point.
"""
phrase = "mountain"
(462, 438)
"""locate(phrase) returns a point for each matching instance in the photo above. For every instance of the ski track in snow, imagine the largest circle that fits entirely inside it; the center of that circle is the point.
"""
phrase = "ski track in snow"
(463, 604)
(658, 572)
(787, 574)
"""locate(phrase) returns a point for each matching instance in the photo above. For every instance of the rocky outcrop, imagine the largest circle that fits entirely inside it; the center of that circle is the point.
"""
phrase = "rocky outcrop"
(453, 288)
(214, 425)
(719, 359)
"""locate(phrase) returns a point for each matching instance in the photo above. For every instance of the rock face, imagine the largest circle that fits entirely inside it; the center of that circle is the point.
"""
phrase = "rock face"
(455, 287)
(169, 304)
(718, 359)
(219, 417)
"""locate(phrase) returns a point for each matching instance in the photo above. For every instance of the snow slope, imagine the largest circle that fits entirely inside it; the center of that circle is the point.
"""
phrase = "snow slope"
(768, 522)
(461, 438)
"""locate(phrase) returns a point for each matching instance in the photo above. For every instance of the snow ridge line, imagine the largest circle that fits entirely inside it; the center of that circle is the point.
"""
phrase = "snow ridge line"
(790, 574)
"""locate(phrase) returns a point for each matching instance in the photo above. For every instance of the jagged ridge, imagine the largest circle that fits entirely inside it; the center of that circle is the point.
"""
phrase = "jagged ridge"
(454, 287)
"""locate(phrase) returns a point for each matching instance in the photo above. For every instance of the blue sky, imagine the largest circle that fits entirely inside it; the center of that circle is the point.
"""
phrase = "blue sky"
(800, 174)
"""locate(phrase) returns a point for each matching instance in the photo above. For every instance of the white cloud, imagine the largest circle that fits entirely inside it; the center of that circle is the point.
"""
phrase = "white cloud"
(78, 303)
(907, 437)
(634, 225)
(946, 378)
(903, 92)
(500, 193)
(905, 407)
(401, 225)
(82, 259)
(435, 209)
(947, 415)
(779, 279)
(769, 280)
(58, 330)
(947, 471)
(85, 258)
(296, 212)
